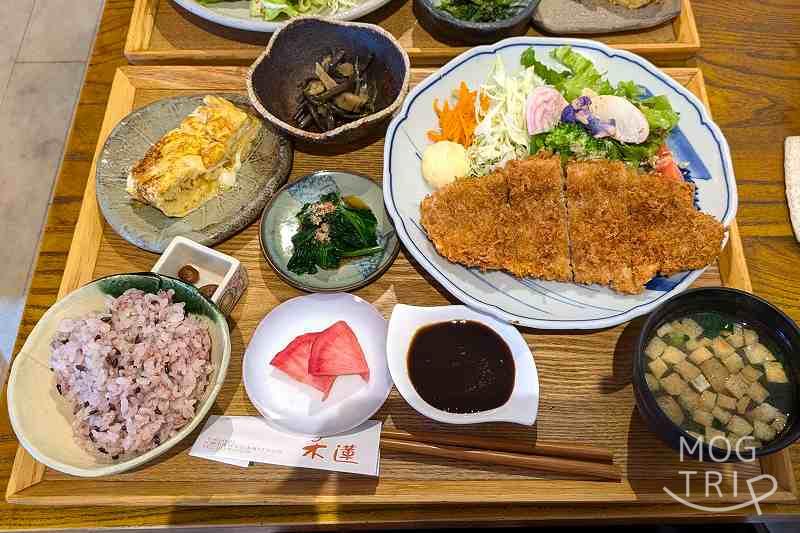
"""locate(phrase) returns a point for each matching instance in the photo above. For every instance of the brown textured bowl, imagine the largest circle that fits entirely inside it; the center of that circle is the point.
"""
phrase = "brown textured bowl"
(275, 80)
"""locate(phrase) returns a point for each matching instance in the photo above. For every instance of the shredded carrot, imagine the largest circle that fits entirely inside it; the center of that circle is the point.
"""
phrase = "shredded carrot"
(457, 123)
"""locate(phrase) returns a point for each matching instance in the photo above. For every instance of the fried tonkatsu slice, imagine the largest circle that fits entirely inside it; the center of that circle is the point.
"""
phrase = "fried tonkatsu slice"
(599, 226)
(535, 223)
(668, 235)
(463, 219)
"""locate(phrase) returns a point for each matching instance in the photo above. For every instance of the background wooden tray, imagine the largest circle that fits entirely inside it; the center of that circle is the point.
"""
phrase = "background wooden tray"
(164, 33)
(586, 395)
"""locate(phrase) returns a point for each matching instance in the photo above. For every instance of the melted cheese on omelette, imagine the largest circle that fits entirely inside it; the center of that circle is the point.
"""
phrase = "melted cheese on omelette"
(197, 160)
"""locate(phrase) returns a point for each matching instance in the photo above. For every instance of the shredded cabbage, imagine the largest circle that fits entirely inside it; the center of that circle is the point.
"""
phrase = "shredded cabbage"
(502, 134)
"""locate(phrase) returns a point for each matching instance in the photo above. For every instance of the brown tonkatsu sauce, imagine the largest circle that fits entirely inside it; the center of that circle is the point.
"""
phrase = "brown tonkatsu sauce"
(461, 366)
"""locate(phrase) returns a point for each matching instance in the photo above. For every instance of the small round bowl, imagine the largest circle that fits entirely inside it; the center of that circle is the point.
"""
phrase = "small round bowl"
(298, 408)
(274, 81)
(41, 418)
(523, 404)
(738, 304)
(442, 24)
(279, 224)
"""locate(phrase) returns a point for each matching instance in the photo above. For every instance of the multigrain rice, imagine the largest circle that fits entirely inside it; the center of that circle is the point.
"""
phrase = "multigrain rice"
(132, 374)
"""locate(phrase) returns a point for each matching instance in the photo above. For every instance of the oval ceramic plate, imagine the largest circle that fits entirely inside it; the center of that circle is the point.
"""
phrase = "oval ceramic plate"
(262, 173)
(532, 302)
(40, 416)
(406, 320)
(279, 224)
(299, 408)
(237, 14)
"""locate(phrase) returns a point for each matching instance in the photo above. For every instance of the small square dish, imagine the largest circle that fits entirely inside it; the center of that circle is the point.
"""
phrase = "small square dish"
(204, 267)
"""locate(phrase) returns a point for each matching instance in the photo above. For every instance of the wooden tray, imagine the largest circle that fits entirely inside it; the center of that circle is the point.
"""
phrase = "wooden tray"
(586, 393)
(163, 33)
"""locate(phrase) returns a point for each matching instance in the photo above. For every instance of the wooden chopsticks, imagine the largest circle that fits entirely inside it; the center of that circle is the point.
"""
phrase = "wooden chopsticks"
(578, 460)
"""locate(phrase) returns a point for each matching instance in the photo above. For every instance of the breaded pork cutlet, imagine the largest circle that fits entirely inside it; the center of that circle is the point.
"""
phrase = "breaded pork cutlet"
(668, 235)
(463, 220)
(535, 223)
(598, 224)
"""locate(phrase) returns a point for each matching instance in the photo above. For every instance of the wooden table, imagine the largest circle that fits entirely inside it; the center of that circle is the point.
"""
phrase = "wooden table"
(750, 61)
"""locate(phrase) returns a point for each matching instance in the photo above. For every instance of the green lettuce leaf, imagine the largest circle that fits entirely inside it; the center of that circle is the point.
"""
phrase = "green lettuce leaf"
(550, 76)
(658, 112)
(584, 75)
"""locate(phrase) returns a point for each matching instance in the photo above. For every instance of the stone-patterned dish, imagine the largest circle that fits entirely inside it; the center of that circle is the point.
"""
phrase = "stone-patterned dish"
(263, 172)
(41, 418)
(279, 223)
(592, 17)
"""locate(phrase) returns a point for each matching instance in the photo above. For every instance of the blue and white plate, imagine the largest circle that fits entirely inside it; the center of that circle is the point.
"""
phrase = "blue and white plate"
(532, 302)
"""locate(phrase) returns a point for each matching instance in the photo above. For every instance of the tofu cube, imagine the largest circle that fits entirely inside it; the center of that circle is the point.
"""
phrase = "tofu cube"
(687, 370)
(716, 373)
(757, 353)
(671, 408)
(751, 373)
(780, 422)
(721, 348)
(763, 432)
(721, 414)
(664, 329)
(689, 399)
(655, 348)
(672, 355)
(657, 367)
(691, 328)
(733, 363)
(712, 433)
(742, 405)
(750, 337)
(708, 400)
(699, 355)
(765, 413)
(701, 383)
(739, 426)
(737, 385)
(736, 339)
(726, 402)
(652, 382)
(775, 373)
(757, 392)
(673, 384)
(704, 418)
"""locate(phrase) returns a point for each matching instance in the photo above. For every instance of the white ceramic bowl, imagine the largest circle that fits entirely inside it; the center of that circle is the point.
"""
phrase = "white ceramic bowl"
(296, 407)
(406, 320)
(42, 419)
(214, 267)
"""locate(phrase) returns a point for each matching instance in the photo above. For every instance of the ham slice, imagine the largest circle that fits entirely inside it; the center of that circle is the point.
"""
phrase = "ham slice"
(336, 352)
(293, 361)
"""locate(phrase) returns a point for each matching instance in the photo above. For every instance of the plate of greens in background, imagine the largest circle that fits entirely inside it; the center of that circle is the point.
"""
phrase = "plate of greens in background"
(328, 232)
(267, 16)
(475, 21)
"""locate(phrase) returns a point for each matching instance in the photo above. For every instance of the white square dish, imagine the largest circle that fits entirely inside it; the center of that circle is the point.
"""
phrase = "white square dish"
(212, 266)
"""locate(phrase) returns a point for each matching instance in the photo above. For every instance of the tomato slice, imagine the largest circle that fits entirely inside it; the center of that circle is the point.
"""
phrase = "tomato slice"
(666, 165)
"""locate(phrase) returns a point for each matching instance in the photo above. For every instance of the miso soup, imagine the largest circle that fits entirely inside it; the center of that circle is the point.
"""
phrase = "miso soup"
(718, 376)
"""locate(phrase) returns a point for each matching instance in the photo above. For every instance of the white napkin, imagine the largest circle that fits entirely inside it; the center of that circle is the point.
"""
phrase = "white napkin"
(791, 164)
(237, 440)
